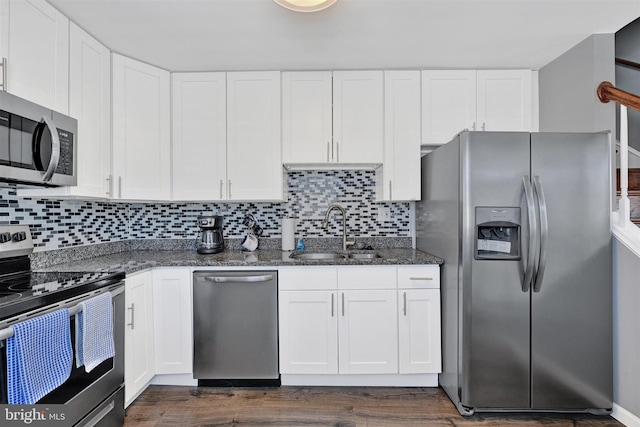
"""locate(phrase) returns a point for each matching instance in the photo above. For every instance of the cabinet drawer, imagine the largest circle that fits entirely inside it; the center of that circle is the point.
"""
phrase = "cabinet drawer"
(367, 278)
(419, 277)
(307, 278)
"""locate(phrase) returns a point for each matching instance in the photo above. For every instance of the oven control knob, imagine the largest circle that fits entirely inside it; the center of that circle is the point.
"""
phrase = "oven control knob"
(5, 237)
(19, 236)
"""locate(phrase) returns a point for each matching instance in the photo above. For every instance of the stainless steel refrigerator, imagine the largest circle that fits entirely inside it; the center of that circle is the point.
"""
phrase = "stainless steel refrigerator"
(522, 221)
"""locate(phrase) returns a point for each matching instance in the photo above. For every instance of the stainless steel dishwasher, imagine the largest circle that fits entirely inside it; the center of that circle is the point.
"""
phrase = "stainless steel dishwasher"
(235, 328)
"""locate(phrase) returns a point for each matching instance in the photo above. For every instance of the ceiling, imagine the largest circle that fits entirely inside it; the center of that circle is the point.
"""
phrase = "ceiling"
(212, 35)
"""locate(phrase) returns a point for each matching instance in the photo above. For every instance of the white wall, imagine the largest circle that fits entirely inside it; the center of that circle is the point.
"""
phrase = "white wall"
(568, 100)
(626, 338)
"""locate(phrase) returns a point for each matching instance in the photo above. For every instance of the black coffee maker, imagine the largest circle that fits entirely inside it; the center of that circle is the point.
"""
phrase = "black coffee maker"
(210, 240)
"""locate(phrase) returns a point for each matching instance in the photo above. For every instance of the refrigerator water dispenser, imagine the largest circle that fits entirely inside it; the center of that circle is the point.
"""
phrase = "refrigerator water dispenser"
(497, 233)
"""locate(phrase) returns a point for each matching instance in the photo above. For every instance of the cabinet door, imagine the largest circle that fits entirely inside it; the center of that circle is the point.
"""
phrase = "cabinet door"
(199, 159)
(401, 167)
(368, 332)
(504, 100)
(35, 40)
(90, 103)
(306, 117)
(172, 313)
(419, 331)
(141, 130)
(254, 160)
(308, 332)
(138, 344)
(358, 116)
(448, 104)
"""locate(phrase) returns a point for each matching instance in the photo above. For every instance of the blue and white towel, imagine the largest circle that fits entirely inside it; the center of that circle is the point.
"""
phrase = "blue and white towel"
(94, 332)
(39, 357)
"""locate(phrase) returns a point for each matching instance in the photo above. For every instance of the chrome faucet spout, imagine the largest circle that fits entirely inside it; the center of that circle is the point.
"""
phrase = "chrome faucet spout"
(325, 223)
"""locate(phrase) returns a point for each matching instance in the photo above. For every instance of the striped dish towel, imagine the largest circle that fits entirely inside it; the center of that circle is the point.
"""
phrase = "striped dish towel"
(94, 332)
(39, 357)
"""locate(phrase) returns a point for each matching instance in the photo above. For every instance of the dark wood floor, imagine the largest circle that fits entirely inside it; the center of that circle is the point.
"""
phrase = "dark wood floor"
(322, 406)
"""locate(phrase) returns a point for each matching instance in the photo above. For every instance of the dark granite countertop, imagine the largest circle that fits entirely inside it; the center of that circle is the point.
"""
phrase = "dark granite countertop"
(137, 260)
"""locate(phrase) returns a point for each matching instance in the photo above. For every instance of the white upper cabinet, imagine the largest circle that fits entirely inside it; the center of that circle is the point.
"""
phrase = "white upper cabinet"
(254, 154)
(306, 112)
(348, 132)
(504, 100)
(454, 100)
(90, 104)
(141, 130)
(448, 104)
(199, 149)
(400, 177)
(34, 37)
(358, 116)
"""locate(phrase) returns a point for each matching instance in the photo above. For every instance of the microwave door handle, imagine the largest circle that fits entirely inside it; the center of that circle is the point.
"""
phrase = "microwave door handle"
(55, 149)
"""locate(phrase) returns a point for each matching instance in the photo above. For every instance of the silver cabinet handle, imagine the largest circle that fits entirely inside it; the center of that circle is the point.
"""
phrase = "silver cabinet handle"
(473, 126)
(533, 233)
(328, 145)
(390, 191)
(343, 304)
(120, 187)
(132, 308)
(221, 185)
(109, 191)
(332, 295)
(483, 126)
(337, 152)
(404, 304)
(55, 149)
(240, 279)
(544, 234)
(420, 278)
(229, 191)
(4, 74)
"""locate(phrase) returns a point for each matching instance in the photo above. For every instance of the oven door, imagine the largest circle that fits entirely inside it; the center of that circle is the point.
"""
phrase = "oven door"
(84, 392)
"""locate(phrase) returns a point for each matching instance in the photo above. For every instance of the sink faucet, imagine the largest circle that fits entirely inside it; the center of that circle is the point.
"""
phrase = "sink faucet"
(325, 223)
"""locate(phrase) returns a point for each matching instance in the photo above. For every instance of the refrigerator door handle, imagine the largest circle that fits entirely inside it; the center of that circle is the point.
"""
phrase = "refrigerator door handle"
(544, 234)
(533, 233)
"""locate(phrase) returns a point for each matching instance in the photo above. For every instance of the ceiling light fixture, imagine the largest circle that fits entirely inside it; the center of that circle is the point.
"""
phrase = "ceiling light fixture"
(305, 5)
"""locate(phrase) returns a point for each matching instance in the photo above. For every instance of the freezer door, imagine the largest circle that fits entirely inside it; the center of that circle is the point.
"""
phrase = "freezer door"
(495, 324)
(572, 301)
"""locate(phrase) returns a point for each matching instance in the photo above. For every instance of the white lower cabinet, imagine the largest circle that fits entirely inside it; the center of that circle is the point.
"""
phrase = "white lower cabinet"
(368, 332)
(138, 339)
(359, 320)
(308, 335)
(172, 324)
(419, 331)
(419, 339)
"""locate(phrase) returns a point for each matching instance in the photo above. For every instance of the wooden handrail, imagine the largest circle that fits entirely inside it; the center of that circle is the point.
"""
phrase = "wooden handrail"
(608, 92)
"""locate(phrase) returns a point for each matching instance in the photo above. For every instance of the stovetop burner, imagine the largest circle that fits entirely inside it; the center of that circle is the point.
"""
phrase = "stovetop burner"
(33, 290)
(22, 290)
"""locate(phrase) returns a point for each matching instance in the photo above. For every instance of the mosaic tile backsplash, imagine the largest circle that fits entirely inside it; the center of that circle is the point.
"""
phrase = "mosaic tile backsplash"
(67, 223)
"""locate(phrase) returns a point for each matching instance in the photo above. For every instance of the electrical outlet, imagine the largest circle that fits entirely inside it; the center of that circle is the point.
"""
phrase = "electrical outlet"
(384, 214)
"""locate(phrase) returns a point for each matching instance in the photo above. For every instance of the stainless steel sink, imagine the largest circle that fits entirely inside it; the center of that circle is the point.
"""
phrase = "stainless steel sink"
(333, 255)
(316, 255)
(369, 256)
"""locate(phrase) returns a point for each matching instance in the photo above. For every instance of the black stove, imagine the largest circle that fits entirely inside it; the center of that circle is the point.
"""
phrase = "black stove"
(23, 290)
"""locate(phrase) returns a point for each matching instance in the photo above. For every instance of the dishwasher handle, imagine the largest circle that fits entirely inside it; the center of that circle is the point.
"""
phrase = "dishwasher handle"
(238, 279)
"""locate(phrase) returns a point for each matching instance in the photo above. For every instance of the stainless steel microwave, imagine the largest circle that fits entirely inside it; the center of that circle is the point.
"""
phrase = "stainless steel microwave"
(38, 146)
